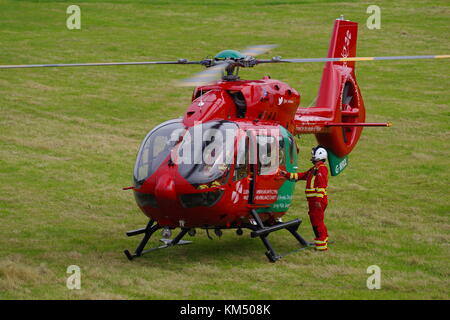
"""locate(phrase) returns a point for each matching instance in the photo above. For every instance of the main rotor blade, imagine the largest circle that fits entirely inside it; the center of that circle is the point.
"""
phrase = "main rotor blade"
(279, 60)
(202, 78)
(181, 61)
(257, 50)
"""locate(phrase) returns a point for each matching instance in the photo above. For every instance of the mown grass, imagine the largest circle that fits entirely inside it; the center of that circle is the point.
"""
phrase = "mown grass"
(69, 137)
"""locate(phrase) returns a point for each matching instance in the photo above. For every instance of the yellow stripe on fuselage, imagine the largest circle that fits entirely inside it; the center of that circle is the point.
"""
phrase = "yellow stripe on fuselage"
(357, 59)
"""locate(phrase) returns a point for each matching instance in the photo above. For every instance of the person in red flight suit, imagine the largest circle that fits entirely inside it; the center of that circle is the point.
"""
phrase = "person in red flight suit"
(316, 194)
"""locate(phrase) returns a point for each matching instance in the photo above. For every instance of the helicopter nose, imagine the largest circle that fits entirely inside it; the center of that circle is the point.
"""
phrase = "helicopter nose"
(165, 189)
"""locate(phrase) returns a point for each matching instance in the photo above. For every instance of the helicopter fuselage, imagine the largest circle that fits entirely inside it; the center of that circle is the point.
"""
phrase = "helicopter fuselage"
(178, 194)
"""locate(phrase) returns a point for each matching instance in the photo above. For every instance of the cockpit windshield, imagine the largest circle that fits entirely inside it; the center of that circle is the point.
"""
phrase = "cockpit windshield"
(206, 154)
(156, 147)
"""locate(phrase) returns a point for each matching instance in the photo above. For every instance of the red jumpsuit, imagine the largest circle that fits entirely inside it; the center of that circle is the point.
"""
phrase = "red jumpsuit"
(316, 194)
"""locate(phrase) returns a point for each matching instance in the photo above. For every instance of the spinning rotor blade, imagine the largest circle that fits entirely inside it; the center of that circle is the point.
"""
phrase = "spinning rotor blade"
(214, 73)
(181, 61)
(209, 75)
(279, 60)
(216, 68)
(257, 50)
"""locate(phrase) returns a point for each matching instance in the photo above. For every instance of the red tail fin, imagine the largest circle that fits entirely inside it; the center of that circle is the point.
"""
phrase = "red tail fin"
(339, 99)
(342, 45)
(343, 42)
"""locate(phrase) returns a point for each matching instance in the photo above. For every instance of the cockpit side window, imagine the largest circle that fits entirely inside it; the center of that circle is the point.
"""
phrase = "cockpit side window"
(282, 151)
(242, 159)
(291, 149)
(268, 160)
(155, 149)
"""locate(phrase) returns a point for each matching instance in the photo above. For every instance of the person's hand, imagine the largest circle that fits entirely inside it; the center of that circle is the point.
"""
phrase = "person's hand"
(284, 174)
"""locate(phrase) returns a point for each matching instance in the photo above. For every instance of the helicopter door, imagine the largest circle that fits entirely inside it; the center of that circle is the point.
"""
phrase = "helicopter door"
(287, 161)
(242, 174)
(266, 180)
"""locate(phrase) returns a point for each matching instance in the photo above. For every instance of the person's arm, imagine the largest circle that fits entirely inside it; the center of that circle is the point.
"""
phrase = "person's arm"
(295, 176)
(303, 175)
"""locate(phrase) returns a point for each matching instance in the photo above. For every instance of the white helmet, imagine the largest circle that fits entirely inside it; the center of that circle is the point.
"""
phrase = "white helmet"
(319, 154)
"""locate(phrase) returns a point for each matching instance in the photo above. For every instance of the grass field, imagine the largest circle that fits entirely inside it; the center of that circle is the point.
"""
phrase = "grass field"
(69, 136)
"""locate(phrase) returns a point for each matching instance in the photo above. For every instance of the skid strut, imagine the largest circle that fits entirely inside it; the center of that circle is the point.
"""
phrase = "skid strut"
(259, 230)
(148, 231)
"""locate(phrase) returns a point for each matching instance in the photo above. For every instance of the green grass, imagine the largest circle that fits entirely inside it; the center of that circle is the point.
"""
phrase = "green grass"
(68, 139)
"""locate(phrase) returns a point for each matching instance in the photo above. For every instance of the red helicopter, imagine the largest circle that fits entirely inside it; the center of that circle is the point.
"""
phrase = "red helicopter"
(218, 167)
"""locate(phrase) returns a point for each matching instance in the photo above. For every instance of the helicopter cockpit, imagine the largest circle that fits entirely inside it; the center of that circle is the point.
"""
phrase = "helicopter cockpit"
(206, 154)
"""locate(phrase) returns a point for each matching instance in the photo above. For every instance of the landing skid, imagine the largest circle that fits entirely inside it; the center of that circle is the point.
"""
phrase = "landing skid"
(258, 230)
(148, 231)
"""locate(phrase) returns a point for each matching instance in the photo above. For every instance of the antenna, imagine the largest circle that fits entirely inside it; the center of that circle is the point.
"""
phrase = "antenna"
(201, 98)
